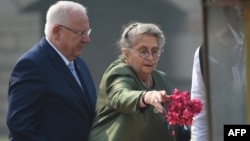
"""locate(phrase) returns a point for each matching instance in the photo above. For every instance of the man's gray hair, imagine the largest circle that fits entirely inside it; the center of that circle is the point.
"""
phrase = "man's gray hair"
(58, 13)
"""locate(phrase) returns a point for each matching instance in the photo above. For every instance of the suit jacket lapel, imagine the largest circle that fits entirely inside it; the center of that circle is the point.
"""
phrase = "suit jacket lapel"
(83, 80)
(62, 69)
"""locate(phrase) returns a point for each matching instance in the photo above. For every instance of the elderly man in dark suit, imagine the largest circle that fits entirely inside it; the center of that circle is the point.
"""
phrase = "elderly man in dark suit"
(46, 101)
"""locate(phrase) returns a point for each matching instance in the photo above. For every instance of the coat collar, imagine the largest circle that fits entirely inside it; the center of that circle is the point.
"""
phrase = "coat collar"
(62, 69)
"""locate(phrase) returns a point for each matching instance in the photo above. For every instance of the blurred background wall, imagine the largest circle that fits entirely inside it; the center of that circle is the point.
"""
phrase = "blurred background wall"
(22, 23)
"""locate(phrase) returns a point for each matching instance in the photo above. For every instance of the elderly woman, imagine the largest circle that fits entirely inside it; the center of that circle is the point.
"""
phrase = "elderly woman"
(132, 91)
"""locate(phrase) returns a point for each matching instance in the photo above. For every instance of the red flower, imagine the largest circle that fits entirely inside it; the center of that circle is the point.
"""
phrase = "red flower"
(181, 109)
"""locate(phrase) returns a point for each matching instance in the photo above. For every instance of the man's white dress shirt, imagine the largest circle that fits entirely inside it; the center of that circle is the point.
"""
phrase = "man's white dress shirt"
(199, 128)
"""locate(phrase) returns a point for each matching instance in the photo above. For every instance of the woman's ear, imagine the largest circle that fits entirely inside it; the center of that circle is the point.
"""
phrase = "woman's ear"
(124, 54)
(124, 51)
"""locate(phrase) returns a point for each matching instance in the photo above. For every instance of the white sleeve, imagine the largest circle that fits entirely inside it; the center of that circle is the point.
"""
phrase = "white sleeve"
(199, 128)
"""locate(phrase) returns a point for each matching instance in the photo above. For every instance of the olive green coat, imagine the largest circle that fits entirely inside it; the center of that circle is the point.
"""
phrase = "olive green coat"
(118, 116)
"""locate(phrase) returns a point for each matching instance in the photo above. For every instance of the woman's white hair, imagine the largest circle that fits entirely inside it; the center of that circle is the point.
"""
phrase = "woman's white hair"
(135, 30)
(58, 13)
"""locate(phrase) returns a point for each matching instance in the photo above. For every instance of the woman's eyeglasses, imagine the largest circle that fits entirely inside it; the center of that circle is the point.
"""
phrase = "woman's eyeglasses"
(77, 32)
(144, 53)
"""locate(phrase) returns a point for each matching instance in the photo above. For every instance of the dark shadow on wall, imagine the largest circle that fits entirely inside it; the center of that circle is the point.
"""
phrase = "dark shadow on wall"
(106, 18)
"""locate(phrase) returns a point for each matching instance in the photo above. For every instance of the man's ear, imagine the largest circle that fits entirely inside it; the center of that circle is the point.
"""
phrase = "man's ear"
(56, 32)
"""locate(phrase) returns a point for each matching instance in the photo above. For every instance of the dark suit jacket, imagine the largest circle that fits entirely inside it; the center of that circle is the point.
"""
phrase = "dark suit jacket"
(45, 101)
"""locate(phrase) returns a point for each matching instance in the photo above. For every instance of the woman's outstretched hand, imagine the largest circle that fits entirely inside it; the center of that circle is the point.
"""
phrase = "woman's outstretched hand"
(155, 98)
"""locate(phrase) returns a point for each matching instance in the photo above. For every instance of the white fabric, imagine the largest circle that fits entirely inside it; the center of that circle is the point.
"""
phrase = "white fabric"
(62, 56)
(199, 128)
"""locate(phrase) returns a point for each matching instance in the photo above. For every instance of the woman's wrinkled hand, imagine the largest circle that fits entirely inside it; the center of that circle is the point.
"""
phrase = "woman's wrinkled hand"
(156, 98)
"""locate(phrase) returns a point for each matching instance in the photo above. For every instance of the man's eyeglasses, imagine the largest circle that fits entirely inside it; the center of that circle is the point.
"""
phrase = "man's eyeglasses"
(144, 53)
(77, 32)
